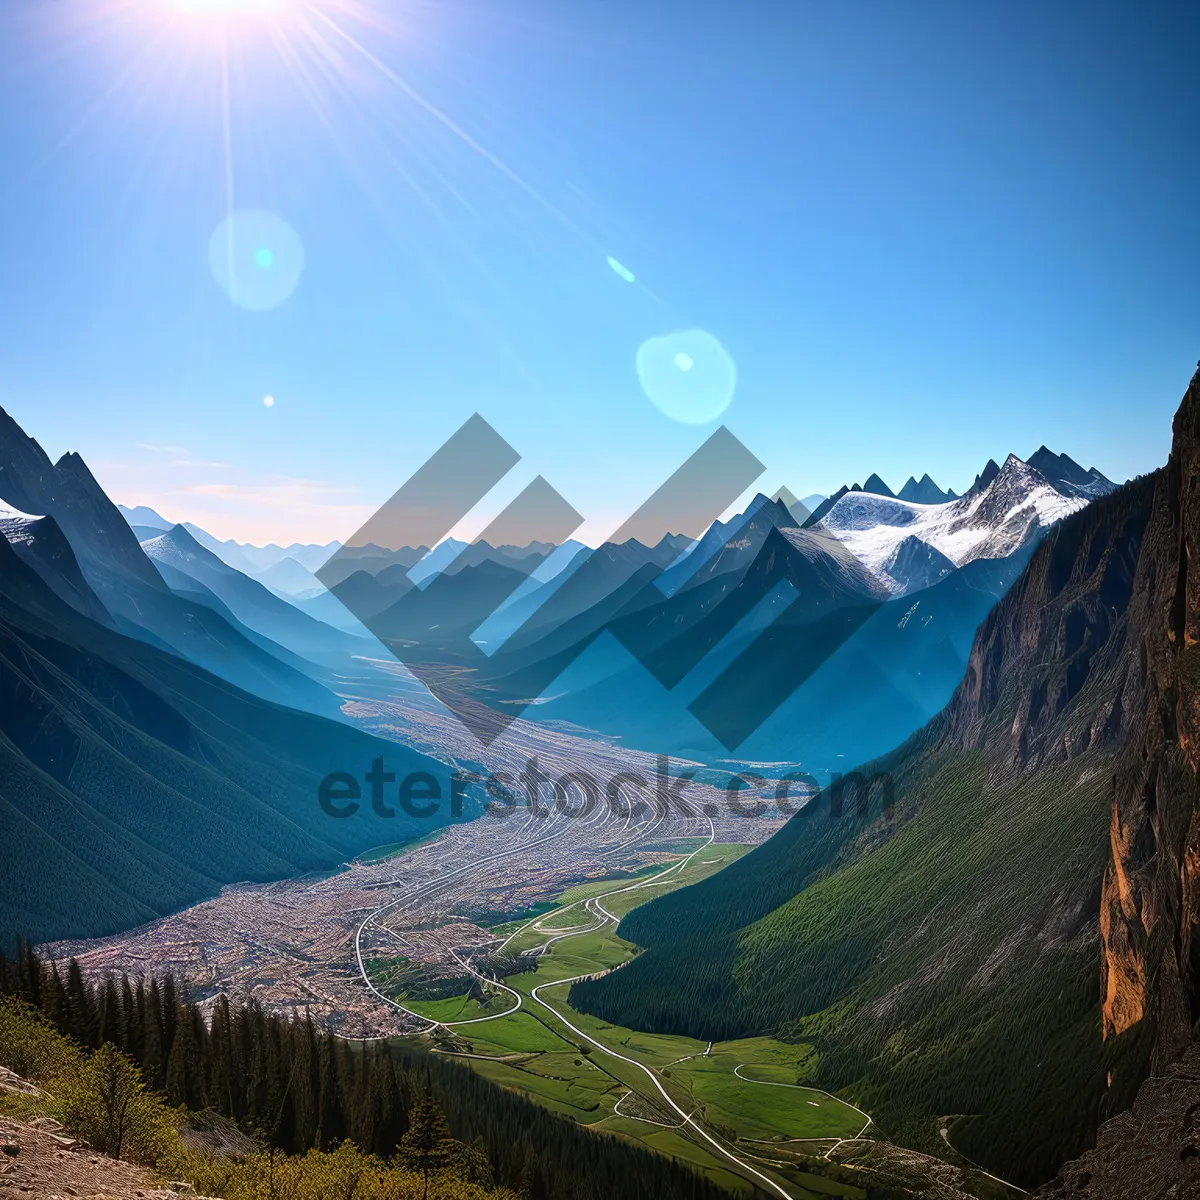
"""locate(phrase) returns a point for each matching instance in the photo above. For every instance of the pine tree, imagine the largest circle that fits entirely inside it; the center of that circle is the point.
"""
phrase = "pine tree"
(30, 974)
(330, 1123)
(221, 1067)
(154, 1044)
(180, 1059)
(80, 1013)
(110, 1026)
(54, 997)
(132, 1017)
(427, 1146)
(308, 1083)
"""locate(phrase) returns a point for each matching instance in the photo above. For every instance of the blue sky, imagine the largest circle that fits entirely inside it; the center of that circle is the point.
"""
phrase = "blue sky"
(925, 234)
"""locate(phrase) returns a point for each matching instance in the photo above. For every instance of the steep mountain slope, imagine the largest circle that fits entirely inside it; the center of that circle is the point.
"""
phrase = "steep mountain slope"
(943, 957)
(251, 603)
(742, 532)
(819, 513)
(984, 478)
(129, 586)
(1149, 1152)
(133, 783)
(593, 594)
(915, 564)
(670, 634)
(883, 682)
(992, 930)
(256, 560)
(102, 540)
(142, 515)
(289, 579)
(41, 543)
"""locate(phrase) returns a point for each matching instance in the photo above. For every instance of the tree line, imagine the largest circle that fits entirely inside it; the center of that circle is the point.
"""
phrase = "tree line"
(297, 1088)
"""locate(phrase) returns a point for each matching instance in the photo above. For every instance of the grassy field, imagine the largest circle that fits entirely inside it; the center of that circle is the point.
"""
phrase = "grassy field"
(458, 1008)
(532, 1051)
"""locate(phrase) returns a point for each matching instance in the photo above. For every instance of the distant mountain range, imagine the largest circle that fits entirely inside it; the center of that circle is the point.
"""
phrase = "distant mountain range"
(262, 562)
(64, 501)
(186, 564)
(858, 696)
(845, 634)
(688, 628)
(1062, 473)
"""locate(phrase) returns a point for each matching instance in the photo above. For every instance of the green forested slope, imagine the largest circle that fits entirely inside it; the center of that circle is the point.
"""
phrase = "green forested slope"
(133, 783)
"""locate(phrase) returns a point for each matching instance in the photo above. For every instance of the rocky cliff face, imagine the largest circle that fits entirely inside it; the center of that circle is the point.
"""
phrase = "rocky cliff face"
(1098, 646)
(1151, 900)
(102, 540)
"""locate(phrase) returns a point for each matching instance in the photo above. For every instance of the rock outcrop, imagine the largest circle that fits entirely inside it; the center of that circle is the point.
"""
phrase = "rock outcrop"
(39, 1162)
(1150, 1152)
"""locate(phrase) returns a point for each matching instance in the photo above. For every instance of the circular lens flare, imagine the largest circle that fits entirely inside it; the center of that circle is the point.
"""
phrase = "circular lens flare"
(257, 257)
(688, 374)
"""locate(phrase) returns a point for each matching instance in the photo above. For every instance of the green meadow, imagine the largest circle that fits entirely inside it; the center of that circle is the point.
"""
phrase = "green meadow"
(752, 1093)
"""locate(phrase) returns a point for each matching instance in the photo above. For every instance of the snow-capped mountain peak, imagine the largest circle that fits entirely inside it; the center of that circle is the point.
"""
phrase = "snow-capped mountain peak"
(991, 523)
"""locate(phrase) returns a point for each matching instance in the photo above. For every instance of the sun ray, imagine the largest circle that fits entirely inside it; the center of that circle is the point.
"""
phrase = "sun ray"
(227, 140)
(447, 121)
(151, 51)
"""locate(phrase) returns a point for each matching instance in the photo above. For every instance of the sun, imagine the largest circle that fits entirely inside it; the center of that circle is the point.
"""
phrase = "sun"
(232, 8)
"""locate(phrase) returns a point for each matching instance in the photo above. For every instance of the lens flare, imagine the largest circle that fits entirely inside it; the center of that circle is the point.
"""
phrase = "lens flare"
(689, 375)
(257, 257)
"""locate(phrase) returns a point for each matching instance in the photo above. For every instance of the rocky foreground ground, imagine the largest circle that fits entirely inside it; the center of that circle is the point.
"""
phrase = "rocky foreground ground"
(38, 1160)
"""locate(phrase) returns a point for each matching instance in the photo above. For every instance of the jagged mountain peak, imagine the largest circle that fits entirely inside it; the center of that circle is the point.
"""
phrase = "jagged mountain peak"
(798, 510)
(1068, 477)
(923, 491)
(825, 506)
(877, 486)
(984, 478)
(27, 477)
(100, 537)
(915, 564)
(180, 540)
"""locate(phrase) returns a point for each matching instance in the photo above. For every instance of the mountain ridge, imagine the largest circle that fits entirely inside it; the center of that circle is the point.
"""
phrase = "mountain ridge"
(133, 782)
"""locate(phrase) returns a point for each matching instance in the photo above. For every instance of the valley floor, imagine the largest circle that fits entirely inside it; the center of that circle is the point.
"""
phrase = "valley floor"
(737, 1110)
(307, 944)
